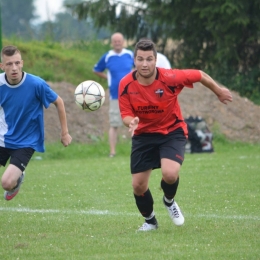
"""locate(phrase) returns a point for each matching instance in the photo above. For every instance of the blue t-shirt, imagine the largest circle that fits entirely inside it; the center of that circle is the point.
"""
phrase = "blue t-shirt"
(21, 112)
(117, 65)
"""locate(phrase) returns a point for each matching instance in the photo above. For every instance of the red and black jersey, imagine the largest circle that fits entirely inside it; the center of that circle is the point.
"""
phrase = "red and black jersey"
(156, 105)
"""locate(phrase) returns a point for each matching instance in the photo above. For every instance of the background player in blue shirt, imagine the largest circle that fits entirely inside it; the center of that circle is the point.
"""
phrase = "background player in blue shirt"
(118, 62)
(22, 98)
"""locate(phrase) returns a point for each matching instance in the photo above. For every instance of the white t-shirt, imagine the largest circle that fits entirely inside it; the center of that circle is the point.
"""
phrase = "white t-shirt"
(162, 61)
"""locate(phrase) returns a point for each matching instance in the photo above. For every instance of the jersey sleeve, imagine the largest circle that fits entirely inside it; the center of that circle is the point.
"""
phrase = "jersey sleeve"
(101, 65)
(50, 96)
(45, 93)
(188, 77)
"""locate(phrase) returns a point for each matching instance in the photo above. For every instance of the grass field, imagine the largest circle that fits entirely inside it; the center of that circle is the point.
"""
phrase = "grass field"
(76, 203)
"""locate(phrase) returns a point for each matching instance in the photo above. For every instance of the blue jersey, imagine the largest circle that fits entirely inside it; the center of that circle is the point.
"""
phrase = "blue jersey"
(117, 65)
(21, 112)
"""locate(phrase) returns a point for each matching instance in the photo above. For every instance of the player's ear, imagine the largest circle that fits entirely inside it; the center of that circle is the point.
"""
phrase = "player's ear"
(1, 66)
(21, 63)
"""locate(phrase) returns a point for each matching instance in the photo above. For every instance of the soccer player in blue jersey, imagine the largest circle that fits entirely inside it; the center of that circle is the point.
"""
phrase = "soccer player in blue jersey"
(22, 98)
(117, 62)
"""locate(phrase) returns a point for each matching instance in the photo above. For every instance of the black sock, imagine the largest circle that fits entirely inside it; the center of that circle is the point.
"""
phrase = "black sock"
(168, 204)
(145, 204)
(169, 190)
(152, 221)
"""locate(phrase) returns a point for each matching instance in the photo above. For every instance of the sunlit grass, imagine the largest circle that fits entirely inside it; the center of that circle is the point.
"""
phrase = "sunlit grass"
(76, 203)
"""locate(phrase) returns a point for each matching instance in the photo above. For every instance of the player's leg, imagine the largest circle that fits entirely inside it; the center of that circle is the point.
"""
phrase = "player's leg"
(172, 156)
(169, 185)
(144, 199)
(141, 168)
(4, 157)
(115, 122)
(112, 140)
(14, 173)
(10, 177)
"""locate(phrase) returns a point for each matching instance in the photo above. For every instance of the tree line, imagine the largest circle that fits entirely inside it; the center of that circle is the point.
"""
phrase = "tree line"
(220, 37)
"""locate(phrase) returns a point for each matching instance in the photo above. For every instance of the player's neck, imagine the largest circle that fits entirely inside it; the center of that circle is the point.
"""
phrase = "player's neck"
(118, 51)
(16, 81)
(143, 80)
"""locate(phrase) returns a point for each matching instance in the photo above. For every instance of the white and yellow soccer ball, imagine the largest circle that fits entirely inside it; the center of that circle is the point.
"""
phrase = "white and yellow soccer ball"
(89, 95)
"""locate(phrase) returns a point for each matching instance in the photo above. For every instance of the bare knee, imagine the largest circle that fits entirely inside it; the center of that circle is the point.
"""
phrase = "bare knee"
(170, 170)
(8, 184)
(140, 182)
(139, 188)
(170, 176)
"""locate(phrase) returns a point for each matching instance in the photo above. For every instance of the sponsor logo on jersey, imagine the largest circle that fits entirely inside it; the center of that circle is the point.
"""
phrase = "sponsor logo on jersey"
(159, 92)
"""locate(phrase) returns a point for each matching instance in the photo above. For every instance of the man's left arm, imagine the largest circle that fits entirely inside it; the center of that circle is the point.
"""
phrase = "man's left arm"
(222, 93)
(65, 136)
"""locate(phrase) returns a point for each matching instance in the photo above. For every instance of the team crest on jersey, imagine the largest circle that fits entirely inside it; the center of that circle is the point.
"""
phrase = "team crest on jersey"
(159, 92)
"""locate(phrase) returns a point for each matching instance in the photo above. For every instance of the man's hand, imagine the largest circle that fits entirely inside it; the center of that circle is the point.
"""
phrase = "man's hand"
(66, 139)
(133, 125)
(225, 95)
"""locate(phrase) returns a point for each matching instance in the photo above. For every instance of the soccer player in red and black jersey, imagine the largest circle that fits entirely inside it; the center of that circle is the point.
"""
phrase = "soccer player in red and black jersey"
(149, 107)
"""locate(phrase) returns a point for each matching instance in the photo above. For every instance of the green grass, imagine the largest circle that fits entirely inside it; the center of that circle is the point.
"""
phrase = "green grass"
(76, 203)
(59, 62)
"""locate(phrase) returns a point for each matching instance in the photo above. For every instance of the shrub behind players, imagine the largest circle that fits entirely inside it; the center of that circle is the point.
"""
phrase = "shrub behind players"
(22, 98)
(149, 107)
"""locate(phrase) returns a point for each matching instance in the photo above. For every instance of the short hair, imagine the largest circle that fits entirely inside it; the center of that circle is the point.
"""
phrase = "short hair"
(145, 45)
(9, 50)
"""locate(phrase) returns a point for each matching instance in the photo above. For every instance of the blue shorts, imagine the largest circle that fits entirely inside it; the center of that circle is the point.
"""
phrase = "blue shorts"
(148, 150)
(18, 157)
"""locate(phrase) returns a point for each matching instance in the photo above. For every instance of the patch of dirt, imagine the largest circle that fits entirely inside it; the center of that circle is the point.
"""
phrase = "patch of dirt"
(238, 121)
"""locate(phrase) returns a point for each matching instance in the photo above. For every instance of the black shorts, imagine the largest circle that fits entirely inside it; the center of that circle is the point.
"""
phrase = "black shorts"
(18, 157)
(149, 149)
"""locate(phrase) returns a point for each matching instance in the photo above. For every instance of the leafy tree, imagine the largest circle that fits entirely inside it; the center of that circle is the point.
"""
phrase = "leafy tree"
(66, 28)
(16, 18)
(104, 14)
(219, 36)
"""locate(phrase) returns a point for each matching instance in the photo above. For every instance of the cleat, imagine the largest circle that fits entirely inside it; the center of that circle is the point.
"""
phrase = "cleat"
(8, 195)
(175, 213)
(148, 227)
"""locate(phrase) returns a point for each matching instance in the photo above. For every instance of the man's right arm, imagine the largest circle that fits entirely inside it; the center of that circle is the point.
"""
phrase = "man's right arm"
(100, 67)
(131, 123)
(101, 74)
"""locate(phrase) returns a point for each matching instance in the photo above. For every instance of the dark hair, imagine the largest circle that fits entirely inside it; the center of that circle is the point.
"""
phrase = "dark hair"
(145, 45)
(9, 50)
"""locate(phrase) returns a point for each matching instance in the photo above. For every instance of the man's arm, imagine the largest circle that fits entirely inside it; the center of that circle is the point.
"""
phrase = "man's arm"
(65, 137)
(222, 93)
(101, 74)
(131, 122)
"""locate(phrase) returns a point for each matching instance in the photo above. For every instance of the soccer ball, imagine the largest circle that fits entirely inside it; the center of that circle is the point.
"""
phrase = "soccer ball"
(89, 95)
